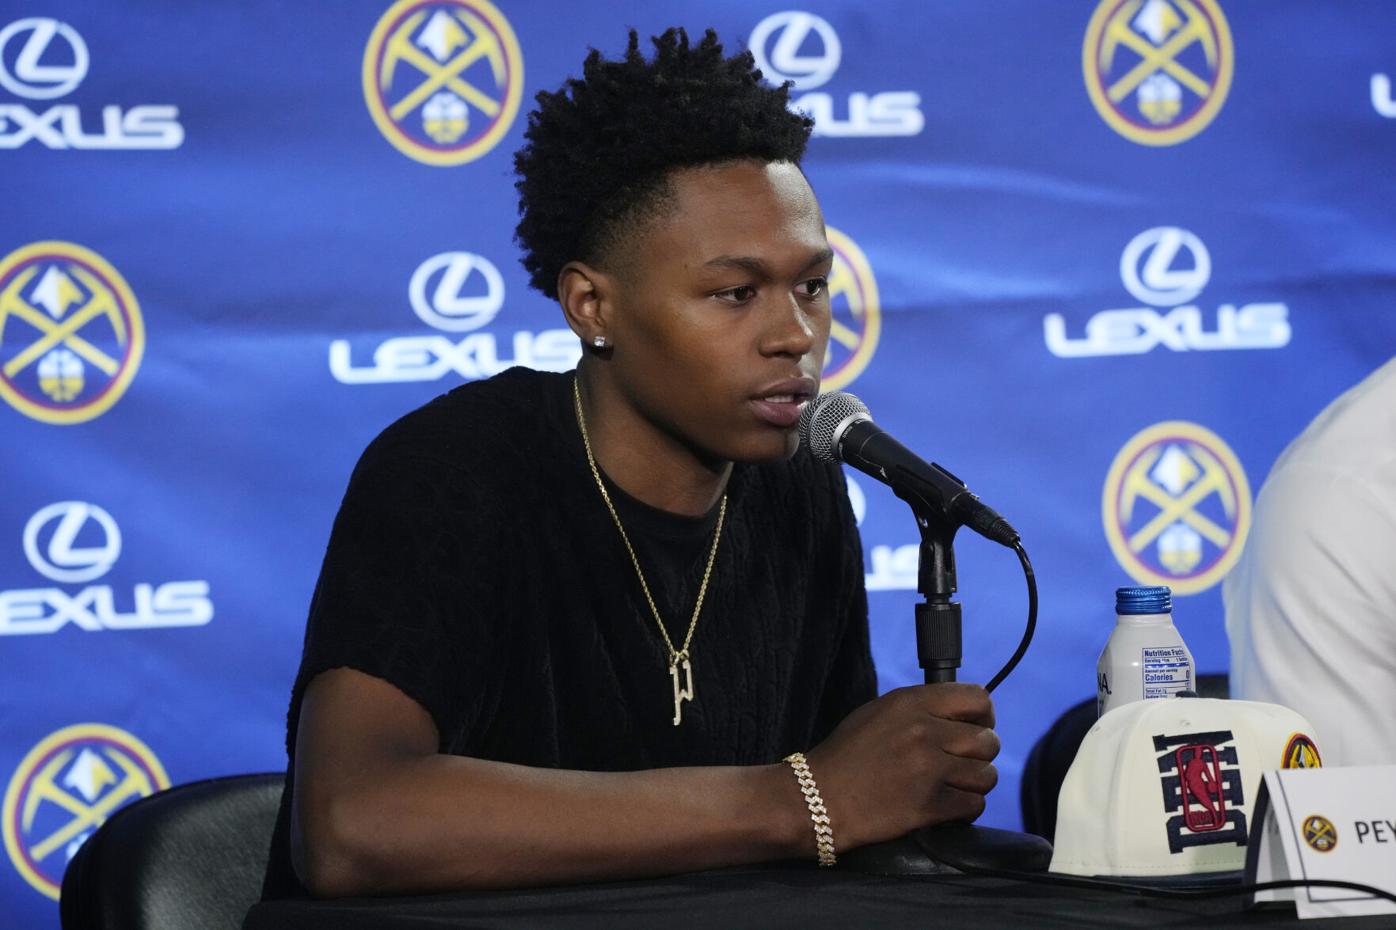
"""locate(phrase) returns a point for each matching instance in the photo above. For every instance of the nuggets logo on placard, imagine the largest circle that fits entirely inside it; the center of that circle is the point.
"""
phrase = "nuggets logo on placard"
(857, 313)
(1201, 789)
(443, 78)
(1176, 507)
(71, 333)
(65, 788)
(1320, 833)
(1158, 71)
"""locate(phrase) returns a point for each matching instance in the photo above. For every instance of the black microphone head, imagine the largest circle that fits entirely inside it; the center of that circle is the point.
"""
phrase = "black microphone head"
(825, 419)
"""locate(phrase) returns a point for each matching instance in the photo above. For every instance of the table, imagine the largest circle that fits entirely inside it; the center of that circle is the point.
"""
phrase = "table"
(783, 895)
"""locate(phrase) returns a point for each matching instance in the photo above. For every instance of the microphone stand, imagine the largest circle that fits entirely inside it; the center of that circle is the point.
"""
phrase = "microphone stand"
(939, 626)
(946, 847)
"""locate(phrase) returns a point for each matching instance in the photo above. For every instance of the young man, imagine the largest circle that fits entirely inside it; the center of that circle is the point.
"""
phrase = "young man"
(568, 626)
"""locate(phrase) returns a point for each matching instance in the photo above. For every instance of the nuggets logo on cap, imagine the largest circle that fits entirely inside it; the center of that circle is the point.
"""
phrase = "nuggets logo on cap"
(1158, 71)
(857, 313)
(443, 78)
(66, 787)
(71, 333)
(1176, 507)
(1301, 753)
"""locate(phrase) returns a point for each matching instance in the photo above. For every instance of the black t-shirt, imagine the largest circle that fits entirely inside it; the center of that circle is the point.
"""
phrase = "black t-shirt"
(473, 565)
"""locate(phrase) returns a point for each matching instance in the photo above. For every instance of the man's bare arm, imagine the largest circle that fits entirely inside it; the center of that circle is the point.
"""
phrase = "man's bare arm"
(378, 810)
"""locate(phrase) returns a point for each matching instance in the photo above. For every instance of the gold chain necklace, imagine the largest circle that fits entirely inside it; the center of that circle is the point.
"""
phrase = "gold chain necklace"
(677, 657)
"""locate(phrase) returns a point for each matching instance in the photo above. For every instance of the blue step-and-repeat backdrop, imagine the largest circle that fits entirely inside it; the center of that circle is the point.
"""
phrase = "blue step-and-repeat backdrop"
(1102, 259)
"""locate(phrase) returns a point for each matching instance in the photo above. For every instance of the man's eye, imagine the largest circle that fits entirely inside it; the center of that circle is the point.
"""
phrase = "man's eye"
(815, 287)
(738, 295)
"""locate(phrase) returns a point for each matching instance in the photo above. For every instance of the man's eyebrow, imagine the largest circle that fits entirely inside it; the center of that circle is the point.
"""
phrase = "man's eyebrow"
(758, 267)
(750, 265)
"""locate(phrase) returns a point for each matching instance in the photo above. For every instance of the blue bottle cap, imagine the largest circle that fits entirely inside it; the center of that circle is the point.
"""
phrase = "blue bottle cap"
(1145, 599)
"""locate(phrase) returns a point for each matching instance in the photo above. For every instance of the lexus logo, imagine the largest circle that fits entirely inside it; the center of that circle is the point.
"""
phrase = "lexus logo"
(796, 46)
(83, 544)
(42, 69)
(1155, 270)
(457, 291)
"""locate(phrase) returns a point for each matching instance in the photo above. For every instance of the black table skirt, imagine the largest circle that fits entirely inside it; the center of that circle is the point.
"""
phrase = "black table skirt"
(805, 898)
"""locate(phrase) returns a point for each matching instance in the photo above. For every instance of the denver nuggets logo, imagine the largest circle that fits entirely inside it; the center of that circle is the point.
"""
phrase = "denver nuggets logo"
(1301, 753)
(857, 314)
(66, 787)
(1320, 833)
(1158, 71)
(1176, 507)
(443, 78)
(71, 334)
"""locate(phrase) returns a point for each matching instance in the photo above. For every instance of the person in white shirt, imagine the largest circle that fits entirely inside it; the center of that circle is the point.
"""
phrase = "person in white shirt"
(1311, 605)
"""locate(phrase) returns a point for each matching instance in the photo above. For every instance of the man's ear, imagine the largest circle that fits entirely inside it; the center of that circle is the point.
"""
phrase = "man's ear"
(583, 292)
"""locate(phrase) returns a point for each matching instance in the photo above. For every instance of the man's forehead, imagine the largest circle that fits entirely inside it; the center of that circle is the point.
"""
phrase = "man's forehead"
(740, 212)
(748, 183)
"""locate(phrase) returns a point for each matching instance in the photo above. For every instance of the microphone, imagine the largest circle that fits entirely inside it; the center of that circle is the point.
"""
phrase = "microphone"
(837, 427)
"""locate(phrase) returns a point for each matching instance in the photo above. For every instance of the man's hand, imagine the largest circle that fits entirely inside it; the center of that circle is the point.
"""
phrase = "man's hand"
(913, 757)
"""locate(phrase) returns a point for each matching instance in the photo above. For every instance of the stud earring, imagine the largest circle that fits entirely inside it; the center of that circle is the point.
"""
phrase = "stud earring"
(599, 342)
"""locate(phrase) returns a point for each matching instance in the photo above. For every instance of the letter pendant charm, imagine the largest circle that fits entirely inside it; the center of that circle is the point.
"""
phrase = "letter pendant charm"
(686, 692)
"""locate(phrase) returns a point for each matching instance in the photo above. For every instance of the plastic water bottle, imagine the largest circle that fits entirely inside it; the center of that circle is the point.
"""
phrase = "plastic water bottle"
(1145, 657)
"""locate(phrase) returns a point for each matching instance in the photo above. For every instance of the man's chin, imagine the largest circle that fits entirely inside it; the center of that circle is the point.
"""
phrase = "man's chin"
(770, 450)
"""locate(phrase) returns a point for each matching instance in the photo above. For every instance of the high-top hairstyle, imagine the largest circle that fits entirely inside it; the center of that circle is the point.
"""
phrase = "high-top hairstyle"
(600, 151)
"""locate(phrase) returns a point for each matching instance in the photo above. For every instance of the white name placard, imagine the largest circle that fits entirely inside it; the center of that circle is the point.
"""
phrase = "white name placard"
(1337, 824)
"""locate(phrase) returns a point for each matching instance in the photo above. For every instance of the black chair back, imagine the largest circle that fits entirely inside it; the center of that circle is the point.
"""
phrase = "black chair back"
(191, 856)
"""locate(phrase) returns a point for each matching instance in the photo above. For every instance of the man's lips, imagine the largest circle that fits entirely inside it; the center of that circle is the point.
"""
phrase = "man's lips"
(780, 404)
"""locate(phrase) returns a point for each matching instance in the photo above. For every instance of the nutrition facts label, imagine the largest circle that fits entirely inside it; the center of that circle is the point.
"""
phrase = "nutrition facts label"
(1166, 671)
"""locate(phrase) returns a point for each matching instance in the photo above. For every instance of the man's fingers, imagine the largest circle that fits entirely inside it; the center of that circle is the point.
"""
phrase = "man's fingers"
(956, 700)
(969, 741)
(955, 804)
(972, 776)
(964, 740)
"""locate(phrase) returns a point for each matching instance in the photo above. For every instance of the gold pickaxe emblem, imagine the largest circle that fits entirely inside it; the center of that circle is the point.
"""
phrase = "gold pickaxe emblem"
(1119, 32)
(65, 330)
(482, 44)
(134, 783)
(1213, 479)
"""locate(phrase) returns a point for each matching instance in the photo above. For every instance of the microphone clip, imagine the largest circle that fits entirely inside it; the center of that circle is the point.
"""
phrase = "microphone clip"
(939, 625)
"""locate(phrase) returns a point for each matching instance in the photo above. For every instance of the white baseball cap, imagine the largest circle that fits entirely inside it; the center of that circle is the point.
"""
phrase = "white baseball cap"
(1166, 787)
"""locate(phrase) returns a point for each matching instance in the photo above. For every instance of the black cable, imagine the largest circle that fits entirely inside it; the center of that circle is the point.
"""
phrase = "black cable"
(1224, 891)
(1032, 620)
